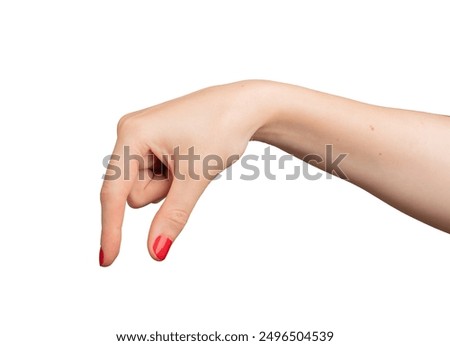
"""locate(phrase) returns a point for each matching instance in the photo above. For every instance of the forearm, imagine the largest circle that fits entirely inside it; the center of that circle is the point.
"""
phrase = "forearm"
(399, 156)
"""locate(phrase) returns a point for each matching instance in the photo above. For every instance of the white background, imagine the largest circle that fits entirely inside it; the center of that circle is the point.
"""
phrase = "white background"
(255, 256)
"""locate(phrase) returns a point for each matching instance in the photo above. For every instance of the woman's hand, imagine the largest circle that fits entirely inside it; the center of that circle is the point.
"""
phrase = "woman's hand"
(399, 156)
(195, 137)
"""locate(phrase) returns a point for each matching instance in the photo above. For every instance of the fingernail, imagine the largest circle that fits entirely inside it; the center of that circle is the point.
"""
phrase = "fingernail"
(161, 247)
(100, 257)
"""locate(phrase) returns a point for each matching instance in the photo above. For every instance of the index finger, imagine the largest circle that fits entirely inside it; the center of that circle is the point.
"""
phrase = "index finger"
(120, 176)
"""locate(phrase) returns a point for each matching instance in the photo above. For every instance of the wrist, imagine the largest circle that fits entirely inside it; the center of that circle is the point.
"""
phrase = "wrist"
(256, 104)
(271, 116)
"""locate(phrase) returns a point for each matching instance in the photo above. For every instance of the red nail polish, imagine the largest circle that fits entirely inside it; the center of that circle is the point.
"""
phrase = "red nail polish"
(161, 247)
(100, 257)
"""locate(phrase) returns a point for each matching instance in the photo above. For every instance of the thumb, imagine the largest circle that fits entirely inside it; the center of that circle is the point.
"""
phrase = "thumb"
(173, 215)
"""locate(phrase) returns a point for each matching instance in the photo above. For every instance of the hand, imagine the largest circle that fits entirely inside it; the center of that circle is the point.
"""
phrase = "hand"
(195, 137)
(388, 152)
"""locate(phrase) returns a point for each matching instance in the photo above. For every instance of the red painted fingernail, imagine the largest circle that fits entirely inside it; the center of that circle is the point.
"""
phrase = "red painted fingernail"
(100, 257)
(161, 247)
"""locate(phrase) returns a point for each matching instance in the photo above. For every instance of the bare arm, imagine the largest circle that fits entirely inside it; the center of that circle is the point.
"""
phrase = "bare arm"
(397, 155)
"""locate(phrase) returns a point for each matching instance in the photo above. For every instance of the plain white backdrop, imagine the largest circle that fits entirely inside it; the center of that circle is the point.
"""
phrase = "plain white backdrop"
(255, 256)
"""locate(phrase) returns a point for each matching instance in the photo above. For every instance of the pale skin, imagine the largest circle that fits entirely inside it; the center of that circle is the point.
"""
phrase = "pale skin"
(397, 155)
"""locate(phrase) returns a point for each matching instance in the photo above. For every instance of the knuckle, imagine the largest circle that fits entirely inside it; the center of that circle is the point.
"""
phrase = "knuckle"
(110, 192)
(105, 193)
(177, 217)
(134, 202)
(125, 123)
(120, 123)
